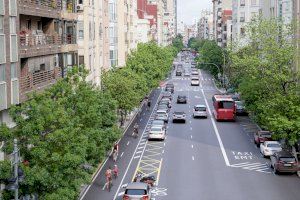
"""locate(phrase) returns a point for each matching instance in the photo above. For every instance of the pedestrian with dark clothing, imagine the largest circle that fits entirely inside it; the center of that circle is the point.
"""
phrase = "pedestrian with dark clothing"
(149, 104)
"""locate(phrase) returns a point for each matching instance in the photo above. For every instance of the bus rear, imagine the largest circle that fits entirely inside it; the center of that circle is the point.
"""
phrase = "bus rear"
(224, 108)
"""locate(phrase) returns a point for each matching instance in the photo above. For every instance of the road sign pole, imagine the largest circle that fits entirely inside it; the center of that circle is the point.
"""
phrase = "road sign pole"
(16, 167)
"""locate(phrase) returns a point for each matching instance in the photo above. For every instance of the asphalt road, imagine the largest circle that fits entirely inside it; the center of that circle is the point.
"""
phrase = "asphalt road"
(201, 159)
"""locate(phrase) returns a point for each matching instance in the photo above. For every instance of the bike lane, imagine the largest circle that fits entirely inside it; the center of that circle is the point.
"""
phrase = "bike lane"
(127, 147)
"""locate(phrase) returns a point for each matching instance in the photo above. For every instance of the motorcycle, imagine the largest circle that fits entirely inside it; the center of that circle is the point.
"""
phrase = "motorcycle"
(150, 180)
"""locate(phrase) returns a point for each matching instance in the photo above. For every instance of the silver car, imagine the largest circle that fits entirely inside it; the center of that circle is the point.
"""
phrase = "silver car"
(200, 111)
(157, 133)
(162, 115)
(179, 116)
(137, 191)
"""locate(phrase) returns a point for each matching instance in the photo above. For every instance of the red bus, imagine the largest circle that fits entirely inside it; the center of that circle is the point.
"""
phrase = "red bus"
(224, 107)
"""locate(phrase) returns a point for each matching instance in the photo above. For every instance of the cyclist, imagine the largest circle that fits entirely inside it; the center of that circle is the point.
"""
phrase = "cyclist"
(116, 171)
(108, 177)
(149, 104)
(136, 130)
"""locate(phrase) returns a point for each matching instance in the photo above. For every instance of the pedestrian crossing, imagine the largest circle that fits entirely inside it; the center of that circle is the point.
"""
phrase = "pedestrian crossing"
(259, 167)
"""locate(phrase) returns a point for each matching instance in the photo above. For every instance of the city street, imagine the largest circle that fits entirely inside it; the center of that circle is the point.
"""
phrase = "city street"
(199, 159)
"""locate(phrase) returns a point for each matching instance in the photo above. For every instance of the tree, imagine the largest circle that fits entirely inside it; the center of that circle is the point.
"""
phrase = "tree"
(264, 74)
(70, 125)
(177, 42)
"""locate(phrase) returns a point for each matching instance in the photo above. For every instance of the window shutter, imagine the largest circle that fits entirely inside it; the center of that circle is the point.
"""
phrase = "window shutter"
(14, 91)
(2, 7)
(3, 96)
(14, 48)
(12, 7)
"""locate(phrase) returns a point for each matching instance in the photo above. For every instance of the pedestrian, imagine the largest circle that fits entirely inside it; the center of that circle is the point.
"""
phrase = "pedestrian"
(149, 104)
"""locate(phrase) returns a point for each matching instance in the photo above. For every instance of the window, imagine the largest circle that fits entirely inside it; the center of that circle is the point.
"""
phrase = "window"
(242, 3)
(253, 2)
(242, 17)
(28, 25)
(111, 54)
(80, 1)
(12, 7)
(13, 71)
(12, 25)
(39, 25)
(2, 11)
(81, 60)
(1, 24)
(2, 49)
(80, 30)
(13, 48)
(2, 73)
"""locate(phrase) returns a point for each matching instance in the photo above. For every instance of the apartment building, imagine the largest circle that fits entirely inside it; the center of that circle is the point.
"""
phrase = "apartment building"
(205, 25)
(218, 7)
(113, 33)
(242, 13)
(226, 28)
(279, 9)
(296, 17)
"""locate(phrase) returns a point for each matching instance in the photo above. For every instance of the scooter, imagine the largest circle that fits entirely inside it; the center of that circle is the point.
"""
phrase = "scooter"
(150, 180)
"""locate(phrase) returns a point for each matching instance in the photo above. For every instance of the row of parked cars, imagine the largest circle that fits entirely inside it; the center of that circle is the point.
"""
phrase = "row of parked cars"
(282, 160)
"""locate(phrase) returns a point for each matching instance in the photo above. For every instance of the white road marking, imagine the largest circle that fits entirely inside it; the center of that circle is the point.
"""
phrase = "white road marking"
(138, 152)
(216, 131)
(141, 119)
(164, 144)
(191, 128)
(163, 151)
(137, 157)
(128, 143)
(192, 146)
(193, 158)
(190, 121)
(191, 136)
(122, 154)
(140, 147)
(132, 157)
(142, 143)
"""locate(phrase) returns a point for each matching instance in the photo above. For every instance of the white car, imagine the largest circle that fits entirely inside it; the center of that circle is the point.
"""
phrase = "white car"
(200, 111)
(268, 148)
(196, 73)
(195, 81)
(157, 133)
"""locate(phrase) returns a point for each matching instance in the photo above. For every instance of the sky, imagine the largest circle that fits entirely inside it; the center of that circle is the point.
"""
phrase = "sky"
(189, 10)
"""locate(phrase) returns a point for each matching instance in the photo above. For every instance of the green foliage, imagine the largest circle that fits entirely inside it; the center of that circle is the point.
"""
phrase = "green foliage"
(5, 169)
(60, 130)
(210, 52)
(196, 44)
(264, 74)
(177, 42)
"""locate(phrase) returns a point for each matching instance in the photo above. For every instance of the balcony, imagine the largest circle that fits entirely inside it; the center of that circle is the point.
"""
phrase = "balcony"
(38, 81)
(42, 8)
(38, 43)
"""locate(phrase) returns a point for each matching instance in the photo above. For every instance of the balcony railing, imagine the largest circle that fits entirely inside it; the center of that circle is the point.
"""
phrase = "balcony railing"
(46, 8)
(38, 80)
(43, 44)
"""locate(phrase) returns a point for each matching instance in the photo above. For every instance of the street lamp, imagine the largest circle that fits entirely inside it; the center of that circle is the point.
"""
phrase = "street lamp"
(218, 70)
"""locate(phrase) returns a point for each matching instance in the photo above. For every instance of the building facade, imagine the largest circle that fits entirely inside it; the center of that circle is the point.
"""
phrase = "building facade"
(279, 9)
(242, 13)
(205, 25)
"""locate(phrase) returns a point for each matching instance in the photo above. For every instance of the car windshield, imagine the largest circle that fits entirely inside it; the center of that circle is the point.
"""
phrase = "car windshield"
(161, 113)
(200, 108)
(274, 145)
(178, 113)
(239, 103)
(226, 105)
(155, 129)
(265, 135)
(181, 96)
(135, 192)
(287, 159)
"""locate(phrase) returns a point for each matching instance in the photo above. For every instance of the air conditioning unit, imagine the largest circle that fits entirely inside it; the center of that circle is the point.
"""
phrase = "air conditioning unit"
(79, 7)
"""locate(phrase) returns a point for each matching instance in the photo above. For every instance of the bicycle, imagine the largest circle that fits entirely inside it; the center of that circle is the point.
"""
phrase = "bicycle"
(109, 184)
(115, 155)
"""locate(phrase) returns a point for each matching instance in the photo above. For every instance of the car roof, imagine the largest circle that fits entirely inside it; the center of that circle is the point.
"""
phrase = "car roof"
(137, 185)
(161, 111)
(179, 112)
(272, 142)
(181, 95)
(264, 132)
(158, 120)
(201, 106)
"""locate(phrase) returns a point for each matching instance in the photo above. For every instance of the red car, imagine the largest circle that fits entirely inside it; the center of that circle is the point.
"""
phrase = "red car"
(261, 137)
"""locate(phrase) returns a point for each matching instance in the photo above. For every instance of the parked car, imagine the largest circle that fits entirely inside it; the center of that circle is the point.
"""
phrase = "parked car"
(284, 161)
(169, 87)
(262, 136)
(236, 97)
(137, 190)
(200, 111)
(167, 95)
(194, 63)
(195, 73)
(181, 99)
(157, 122)
(240, 108)
(162, 115)
(268, 148)
(163, 107)
(157, 132)
(195, 81)
(179, 117)
(178, 73)
(186, 74)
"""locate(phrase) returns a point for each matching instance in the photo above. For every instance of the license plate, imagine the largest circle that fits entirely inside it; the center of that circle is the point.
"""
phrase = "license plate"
(287, 165)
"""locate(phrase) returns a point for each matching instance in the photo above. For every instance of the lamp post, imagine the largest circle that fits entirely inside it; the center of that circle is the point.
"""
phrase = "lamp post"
(218, 70)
